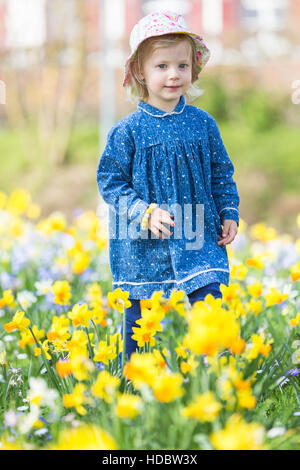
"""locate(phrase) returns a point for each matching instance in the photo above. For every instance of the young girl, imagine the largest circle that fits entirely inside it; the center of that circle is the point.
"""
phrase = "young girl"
(165, 166)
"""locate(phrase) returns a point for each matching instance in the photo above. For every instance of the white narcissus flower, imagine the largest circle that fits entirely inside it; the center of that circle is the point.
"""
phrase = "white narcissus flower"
(40, 394)
(275, 432)
(26, 299)
(28, 420)
(11, 418)
(43, 287)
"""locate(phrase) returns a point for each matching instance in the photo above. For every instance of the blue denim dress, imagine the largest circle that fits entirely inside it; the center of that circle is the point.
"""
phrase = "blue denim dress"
(177, 160)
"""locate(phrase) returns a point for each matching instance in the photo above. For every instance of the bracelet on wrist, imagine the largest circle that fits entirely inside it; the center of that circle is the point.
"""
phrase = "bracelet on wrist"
(147, 213)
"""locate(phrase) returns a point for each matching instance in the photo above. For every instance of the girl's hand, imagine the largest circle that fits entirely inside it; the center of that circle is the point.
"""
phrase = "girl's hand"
(230, 229)
(155, 222)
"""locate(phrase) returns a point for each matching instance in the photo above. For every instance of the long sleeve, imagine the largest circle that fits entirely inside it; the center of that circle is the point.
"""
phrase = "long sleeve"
(114, 175)
(224, 190)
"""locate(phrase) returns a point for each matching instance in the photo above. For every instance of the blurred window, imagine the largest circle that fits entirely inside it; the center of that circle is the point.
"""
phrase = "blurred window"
(180, 6)
(270, 15)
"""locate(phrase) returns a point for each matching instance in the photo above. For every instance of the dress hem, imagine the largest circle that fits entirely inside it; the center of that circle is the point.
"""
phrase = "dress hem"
(145, 291)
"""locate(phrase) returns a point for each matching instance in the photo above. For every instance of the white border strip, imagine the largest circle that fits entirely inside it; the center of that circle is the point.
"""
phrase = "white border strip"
(171, 280)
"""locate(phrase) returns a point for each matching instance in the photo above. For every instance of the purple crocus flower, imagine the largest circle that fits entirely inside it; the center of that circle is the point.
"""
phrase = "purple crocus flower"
(295, 371)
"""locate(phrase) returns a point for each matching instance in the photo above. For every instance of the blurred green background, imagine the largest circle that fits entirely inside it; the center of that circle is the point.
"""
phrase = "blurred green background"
(49, 135)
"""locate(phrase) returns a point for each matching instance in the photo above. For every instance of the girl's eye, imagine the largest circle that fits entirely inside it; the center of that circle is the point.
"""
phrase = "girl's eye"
(162, 66)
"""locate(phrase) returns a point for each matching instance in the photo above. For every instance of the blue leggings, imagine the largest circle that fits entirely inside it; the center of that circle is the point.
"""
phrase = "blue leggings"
(133, 313)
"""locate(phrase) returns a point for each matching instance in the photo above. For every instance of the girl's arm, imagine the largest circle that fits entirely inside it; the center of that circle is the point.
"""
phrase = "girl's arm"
(114, 174)
(224, 190)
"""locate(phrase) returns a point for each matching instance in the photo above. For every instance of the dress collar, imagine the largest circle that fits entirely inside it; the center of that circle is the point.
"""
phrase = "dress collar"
(156, 112)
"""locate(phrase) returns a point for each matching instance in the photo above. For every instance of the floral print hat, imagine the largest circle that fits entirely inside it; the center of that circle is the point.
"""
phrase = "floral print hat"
(156, 24)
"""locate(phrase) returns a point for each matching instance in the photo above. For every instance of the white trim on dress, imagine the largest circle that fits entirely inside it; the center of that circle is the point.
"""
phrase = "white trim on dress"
(171, 280)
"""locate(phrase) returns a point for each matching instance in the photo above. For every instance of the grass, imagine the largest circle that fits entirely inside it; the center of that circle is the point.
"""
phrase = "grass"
(273, 152)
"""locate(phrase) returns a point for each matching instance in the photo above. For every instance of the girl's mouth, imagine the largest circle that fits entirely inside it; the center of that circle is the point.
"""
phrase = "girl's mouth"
(173, 87)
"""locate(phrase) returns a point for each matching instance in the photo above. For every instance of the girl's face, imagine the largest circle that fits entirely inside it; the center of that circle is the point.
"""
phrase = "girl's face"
(168, 74)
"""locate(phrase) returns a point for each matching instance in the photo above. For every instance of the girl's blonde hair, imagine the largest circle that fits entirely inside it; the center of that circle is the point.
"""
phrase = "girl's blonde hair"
(136, 88)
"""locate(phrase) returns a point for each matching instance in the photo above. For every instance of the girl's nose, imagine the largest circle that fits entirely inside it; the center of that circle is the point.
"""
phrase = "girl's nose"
(174, 74)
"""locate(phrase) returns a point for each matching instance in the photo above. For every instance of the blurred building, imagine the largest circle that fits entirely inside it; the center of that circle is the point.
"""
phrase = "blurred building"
(261, 34)
(31, 23)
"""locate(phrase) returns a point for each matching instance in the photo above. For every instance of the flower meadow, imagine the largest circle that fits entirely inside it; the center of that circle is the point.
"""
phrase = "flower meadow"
(223, 374)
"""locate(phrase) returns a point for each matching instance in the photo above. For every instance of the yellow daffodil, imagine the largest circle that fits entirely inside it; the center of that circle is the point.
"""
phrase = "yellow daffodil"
(45, 347)
(6, 444)
(167, 387)
(255, 262)
(230, 292)
(27, 337)
(254, 306)
(7, 299)
(150, 321)
(210, 327)
(275, 297)
(145, 303)
(238, 308)
(80, 315)
(258, 346)
(159, 303)
(189, 366)
(255, 289)
(94, 294)
(238, 271)
(143, 336)
(81, 365)
(18, 201)
(238, 435)
(141, 369)
(159, 360)
(104, 353)
(84, 437)
(181, 351)
(59, 330)
(204, 408)
(62, 292)
(295, 272)
(63, 368)
(295, 321)
(261, 232)
(33, 211)
(105, 386)
(19, 322)
(176, 301)
(77, 399)
(237, 346)
(55, 222)
(98, 315)
(78, 342)
(246, 399)
(80, 263)
(113, 339)
(128, 406)
(118, 300)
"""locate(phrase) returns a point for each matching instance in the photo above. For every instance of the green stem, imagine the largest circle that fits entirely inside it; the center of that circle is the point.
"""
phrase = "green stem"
(96, 330)
(89, 343)
(124, 339)
(50, 372)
